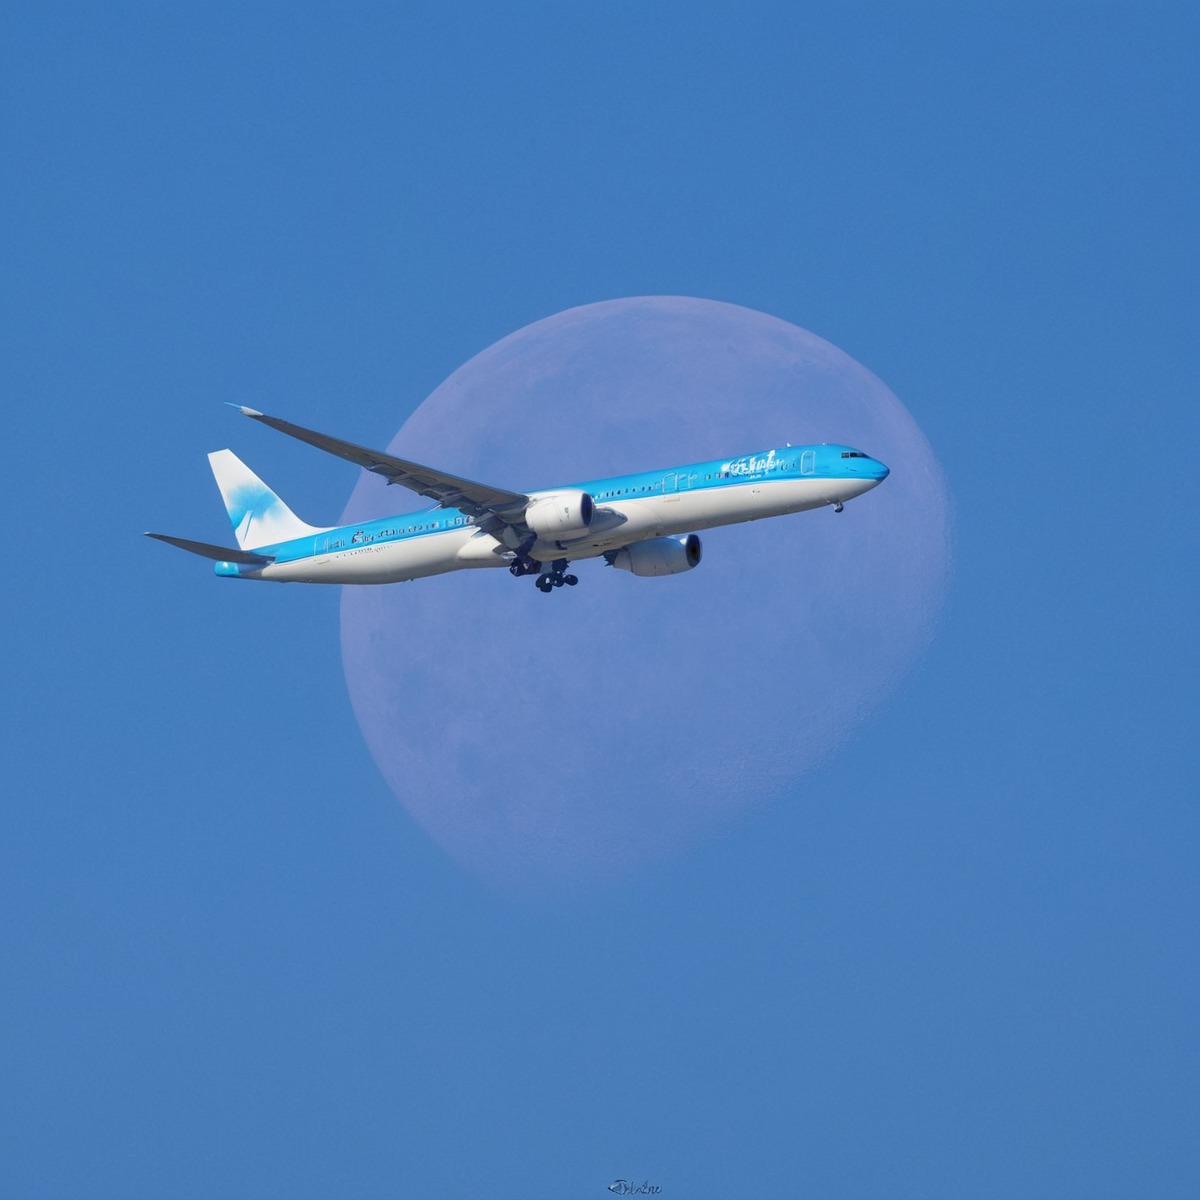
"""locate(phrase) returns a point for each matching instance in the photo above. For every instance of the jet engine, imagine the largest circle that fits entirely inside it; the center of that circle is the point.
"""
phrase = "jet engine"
(560, 514)
(658, 556)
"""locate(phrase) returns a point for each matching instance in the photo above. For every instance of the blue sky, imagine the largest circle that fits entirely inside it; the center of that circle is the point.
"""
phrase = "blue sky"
(959, 961)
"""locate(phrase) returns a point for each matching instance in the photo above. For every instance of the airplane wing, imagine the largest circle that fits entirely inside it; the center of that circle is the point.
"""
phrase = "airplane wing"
(491, 506)
(216, 553)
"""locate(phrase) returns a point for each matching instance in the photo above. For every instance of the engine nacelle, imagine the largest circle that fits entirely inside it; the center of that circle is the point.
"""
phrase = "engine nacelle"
(658, 556)
(561, 514)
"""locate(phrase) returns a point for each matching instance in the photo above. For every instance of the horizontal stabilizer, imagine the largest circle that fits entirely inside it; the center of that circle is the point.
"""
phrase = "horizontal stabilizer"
(217, 553)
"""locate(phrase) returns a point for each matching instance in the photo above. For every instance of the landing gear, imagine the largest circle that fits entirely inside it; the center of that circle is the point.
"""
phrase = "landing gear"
(556, 577)
(838, 506)
(524, 566)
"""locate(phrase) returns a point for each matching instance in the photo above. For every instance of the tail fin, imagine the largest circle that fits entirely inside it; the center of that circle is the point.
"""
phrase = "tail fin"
(259, 517)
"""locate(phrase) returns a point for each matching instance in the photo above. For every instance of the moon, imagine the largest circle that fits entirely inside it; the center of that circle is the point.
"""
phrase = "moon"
(579, 735)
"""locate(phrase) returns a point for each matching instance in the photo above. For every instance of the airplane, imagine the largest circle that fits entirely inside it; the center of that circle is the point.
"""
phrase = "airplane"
(643, 523)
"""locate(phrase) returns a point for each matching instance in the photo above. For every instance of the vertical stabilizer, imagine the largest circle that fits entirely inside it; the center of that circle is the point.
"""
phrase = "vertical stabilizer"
(259, 517)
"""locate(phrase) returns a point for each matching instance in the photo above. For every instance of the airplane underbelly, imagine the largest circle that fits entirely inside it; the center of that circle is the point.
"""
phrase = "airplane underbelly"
(379, 562)
(712, 507)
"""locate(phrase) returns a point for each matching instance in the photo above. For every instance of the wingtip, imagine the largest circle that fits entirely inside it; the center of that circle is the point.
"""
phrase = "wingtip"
(246, 412)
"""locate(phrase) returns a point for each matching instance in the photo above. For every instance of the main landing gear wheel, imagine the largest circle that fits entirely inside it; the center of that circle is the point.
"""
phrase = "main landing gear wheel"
(556, 577)
(524, 566)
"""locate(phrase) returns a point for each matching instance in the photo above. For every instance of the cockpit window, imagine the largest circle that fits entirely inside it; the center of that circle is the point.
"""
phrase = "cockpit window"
(853, 454)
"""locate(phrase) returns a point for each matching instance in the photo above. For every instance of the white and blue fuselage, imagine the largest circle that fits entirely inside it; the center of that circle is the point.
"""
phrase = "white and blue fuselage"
(634, 522)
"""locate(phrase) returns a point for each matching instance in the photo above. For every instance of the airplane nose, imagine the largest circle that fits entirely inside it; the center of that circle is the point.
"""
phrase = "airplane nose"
(878, 470)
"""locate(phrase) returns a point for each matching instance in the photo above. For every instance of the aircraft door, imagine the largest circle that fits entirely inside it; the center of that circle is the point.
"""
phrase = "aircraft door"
(808, 462)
